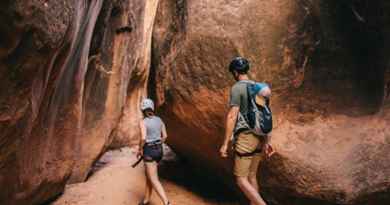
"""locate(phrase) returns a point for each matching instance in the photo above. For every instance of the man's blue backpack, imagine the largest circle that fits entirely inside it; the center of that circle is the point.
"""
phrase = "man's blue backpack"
(259, 116)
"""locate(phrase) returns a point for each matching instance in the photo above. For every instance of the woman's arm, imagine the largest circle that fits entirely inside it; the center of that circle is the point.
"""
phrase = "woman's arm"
(164, 133)
(143, 136)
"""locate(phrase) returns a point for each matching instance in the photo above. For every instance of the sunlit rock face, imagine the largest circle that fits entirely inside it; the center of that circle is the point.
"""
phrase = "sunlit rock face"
(72, 74)
(68, 70)
(194, 41)
(331, 134)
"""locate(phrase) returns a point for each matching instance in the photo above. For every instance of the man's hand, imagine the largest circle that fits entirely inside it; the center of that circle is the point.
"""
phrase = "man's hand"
(269, 150)
(224, 150)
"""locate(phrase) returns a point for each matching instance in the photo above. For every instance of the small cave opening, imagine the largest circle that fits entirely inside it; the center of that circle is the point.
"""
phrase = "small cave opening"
(362, 26)
(348, 67)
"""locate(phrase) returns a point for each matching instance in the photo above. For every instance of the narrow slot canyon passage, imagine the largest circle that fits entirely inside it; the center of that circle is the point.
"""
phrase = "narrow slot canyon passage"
(115, 182)
(73, 74)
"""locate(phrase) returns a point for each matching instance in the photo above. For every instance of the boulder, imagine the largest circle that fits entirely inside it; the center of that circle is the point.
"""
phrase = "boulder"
(331, 125)
(194, 42)
(337, 160)
(72, 74)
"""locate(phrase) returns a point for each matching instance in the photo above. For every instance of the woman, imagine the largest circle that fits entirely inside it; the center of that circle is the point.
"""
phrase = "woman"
(153, 134)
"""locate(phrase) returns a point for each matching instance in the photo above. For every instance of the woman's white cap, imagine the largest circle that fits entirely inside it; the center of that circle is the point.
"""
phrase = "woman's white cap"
(147, 104)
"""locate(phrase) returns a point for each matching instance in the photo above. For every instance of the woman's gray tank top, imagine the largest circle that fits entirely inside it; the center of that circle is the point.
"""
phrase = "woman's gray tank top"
(154, 127)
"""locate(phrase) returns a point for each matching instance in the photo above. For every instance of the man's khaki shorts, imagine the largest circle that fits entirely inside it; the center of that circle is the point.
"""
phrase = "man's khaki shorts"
(247, 165)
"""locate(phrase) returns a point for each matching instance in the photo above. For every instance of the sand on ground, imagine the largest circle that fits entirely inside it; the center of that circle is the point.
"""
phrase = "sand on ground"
(115, 182)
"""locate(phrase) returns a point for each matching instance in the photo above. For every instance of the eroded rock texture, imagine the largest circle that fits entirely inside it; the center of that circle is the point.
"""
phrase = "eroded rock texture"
(72, 74)
(193, 43)
(326, 62)
(68, 69)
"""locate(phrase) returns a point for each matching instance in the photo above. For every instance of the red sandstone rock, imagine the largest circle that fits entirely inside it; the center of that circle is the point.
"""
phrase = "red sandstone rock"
(72, 74)
(331, 148)
(68, 69)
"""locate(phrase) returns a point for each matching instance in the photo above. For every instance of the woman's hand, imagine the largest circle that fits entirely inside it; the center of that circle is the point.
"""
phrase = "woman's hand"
(140, 153)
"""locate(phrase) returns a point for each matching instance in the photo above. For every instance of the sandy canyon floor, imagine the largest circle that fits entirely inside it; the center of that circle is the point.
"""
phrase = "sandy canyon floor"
(115, 182)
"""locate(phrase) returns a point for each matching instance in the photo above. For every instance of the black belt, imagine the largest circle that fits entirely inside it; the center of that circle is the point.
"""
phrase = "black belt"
(154, 143)
(249, 154)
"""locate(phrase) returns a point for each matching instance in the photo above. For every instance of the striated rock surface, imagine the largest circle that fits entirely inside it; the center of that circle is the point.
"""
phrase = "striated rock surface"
(68, 69)
(127, 131)
(126, 47)
(72, 74)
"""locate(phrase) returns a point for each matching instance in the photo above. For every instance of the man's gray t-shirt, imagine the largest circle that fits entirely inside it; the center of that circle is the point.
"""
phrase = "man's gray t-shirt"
(239, 95)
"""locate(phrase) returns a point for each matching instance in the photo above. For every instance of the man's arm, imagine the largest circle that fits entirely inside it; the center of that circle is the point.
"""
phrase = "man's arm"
(269, 150)
(231, 119)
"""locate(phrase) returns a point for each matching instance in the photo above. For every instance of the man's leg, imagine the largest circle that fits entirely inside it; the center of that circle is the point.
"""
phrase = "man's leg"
(253, 181)
(254, 167)
(245, 167)
(242, 170)
(250, 192)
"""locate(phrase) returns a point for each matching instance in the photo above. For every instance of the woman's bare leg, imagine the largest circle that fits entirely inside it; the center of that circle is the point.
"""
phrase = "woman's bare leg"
(151, 170)
(148, 190)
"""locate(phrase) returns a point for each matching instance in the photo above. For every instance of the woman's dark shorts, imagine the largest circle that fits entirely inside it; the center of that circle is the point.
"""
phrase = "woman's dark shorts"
(153, 153)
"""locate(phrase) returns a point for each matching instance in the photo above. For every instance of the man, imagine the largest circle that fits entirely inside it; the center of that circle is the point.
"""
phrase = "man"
(247, 146)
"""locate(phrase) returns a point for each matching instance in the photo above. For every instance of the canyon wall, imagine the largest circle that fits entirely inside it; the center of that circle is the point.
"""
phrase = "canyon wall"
(68, 71)
(326, 62)
(72, 74)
